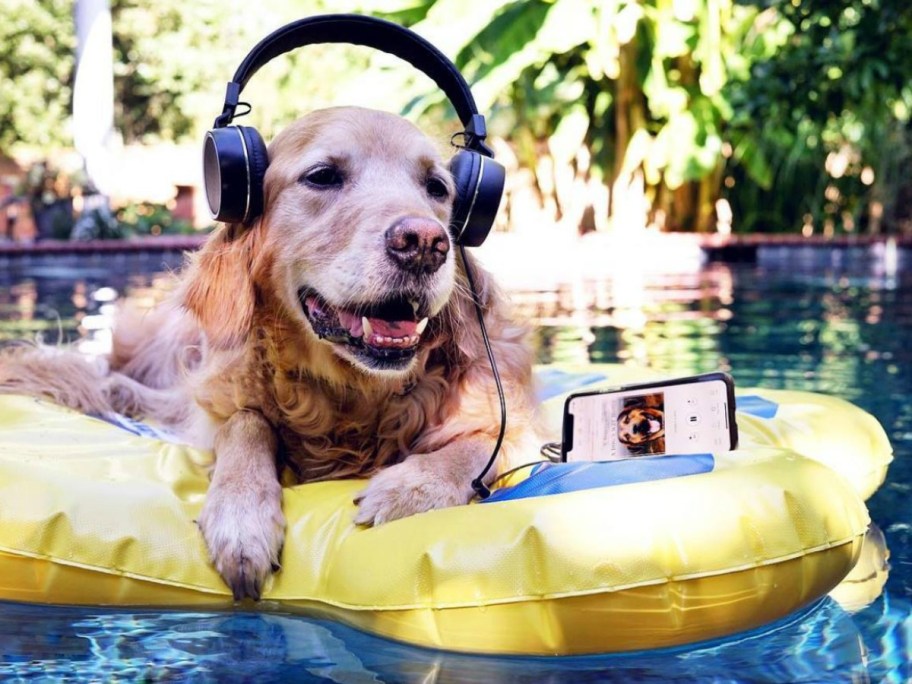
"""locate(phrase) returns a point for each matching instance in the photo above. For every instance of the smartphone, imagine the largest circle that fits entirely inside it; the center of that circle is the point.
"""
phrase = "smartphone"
(691, 415)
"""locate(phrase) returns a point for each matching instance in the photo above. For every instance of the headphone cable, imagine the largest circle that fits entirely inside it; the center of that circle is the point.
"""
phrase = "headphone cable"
(478, 483)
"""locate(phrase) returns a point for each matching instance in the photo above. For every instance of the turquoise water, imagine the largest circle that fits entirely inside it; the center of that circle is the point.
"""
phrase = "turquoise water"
(834, 322)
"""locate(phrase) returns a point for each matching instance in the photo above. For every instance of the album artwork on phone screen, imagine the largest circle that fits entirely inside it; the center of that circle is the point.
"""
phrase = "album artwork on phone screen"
(639, 425)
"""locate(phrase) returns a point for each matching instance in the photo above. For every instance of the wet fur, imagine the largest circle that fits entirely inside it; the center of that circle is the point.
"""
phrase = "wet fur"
(230, 362)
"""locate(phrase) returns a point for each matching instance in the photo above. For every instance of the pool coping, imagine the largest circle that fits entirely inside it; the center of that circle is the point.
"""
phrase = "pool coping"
(712, 243)
(176, 243)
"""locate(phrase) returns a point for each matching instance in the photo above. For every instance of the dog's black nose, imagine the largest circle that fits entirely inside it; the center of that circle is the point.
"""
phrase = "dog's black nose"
(418, 245)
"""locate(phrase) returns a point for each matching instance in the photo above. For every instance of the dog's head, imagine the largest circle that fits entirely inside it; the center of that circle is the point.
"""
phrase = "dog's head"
(637, 425)
(353, 242)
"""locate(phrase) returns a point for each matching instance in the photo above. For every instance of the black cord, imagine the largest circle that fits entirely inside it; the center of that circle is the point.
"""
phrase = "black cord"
(507, 473)
(478, 484)
(552, 451)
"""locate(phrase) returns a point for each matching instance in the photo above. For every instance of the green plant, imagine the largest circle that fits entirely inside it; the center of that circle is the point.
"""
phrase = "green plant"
(613, 90)
(698, 100)
(37, 47)
(49, 193)
(798, 114)
(149, 219)
(96, 222)
(825, 112)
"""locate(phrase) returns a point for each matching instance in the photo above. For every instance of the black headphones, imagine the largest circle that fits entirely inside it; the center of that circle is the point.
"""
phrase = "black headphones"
(235, 157)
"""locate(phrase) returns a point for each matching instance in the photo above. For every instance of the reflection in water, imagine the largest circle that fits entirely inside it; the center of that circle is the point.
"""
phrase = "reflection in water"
(821, 645)
(838, 326)
(70, 298)
(829, 335)
(866, 581)
(824, 332)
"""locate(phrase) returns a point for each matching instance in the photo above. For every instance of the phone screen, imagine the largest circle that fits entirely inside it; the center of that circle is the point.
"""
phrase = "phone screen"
(692, 417)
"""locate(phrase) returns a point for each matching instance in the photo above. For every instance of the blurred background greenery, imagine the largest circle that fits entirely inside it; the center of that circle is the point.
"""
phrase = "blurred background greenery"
(693, 115)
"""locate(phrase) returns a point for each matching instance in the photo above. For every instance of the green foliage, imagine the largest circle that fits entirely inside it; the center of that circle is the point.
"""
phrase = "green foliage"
(148, 219)
(95, 223)
(829, 83)
(48, 191)
(37, 41)
(173, 59)
(705, 98)
(637, 84)
(797, 113)
(164, 59)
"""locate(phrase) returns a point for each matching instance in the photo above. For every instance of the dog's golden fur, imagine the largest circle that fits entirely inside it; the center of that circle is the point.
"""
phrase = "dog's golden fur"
(231, 361)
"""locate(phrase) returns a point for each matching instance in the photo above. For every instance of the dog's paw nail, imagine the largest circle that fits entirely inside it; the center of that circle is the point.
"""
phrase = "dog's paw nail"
(363, 519)
(248, 587)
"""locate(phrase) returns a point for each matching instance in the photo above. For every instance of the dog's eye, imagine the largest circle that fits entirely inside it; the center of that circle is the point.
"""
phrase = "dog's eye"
(322, 177)
(436, 188)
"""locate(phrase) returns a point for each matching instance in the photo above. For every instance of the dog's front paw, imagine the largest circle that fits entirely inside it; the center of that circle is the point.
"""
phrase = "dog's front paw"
(408, 488)
(121, 393)
(244, 532)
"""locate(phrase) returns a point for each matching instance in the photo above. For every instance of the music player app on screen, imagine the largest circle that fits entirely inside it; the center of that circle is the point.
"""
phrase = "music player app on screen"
(677, 419)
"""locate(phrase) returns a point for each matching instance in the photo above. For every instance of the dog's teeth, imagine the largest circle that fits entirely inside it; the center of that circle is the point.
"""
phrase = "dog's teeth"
(422, 324)
(415, 305)
(368, 330)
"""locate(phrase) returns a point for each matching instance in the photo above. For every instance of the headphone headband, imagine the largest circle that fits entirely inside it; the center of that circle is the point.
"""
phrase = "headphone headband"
(235, 158)
(374, 33)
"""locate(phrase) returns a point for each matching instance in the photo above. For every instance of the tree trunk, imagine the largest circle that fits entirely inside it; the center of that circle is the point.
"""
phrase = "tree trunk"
(629, 113)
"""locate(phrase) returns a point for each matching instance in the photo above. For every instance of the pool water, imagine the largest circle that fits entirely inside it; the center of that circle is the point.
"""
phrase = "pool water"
(837, 322)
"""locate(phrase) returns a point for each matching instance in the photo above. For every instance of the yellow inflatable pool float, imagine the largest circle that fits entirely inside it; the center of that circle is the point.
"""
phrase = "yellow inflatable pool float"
(91, 513)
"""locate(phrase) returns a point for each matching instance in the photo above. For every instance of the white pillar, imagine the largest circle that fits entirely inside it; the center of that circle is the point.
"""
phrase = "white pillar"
(93, 93)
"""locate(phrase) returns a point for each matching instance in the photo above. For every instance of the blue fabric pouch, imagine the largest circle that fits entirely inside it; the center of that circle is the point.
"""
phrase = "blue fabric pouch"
(557, 478)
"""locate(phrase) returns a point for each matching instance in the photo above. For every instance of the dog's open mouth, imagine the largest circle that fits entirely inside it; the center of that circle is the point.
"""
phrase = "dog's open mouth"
(647, 427)
(382, 335)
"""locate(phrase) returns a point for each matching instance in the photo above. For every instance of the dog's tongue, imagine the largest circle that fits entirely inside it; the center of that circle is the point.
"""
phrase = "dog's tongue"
(386, 328)
(379, 326)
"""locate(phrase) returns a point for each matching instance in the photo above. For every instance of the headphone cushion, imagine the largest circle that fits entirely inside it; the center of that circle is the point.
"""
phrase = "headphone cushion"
(258, 162)
(464, 168)
(479, 185)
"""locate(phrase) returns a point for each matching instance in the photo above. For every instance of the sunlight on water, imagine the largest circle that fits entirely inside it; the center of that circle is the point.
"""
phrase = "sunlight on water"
(797, 320)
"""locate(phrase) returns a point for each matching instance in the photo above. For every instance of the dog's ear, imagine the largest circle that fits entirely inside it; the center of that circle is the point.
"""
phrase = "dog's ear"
(219, 288)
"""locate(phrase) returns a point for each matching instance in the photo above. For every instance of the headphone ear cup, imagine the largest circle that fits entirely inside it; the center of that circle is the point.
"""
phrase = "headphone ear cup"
(479, 182)
(235, 160)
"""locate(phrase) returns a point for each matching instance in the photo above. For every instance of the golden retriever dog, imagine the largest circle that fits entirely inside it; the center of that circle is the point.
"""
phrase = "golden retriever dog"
(335, 337)
(641, 429)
